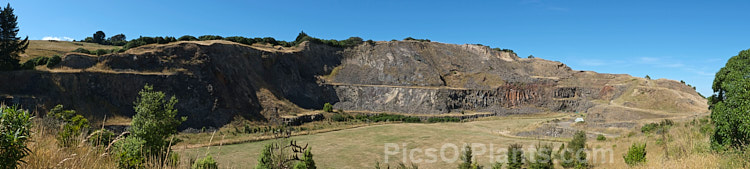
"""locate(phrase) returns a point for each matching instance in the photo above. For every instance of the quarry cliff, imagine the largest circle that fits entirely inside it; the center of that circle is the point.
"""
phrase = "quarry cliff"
(218, 81)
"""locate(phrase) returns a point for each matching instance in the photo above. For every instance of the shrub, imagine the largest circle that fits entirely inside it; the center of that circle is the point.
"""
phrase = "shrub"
(542, 157)
(466, 158)
(575, 155)
(515, 156)
(636, 154)
(99, 52)
(205, 163)
(53, 61)
(306, 162)
(601, 137)
(187, 38)
(15, 130)
(341, 117)
(209, 37)
(72, 130)
(58, 113)
(388, 117)
(82, 50)
(421, 40)
(327, 107)
(28, 65)
(443, 119)
(101, 137)
(154, 120)
(129, 152)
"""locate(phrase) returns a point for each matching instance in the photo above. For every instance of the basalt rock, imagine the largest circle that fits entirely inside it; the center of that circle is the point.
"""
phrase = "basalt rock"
(217, 81)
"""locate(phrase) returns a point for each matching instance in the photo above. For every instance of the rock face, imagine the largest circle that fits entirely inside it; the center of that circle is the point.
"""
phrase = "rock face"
(216, 81)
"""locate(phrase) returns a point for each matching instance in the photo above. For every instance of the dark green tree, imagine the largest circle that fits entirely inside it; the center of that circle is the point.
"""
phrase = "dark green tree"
(10, 45)
(542, 157)
(301, 37)
(515, 156)
(575, 155)
(306, 162)
(187, 38)
(466, 158)
(265, 161)
(99, 37)
(729, 104)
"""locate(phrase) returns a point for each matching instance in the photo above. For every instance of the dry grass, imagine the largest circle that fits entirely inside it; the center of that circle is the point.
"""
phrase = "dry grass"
(49, 48)
(46, 152)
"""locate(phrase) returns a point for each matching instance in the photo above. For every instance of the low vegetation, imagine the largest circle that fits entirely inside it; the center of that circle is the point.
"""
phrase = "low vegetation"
(15, 130)
(636, 154)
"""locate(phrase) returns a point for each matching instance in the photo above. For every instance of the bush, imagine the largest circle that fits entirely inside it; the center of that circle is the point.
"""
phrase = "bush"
(443, 119)
(154, 120)
(129, 152)
(100, 52)
(542, 157)
(187, 38)
(209, 37)
(33, 62)
(327, 107)
(306, 162)
(601, 137)
(575, 155)
(101, 137)
(82, 50)
(636, 154)
(341, 117)
(53, 61)
(388, 117)
(15, 130)
(515, 156)
(205, 163)
(466, 158)
(72, 130)
(421, 40)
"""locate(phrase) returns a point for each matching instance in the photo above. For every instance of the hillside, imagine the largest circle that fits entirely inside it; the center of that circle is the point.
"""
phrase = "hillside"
(217, 81)
(49, 48)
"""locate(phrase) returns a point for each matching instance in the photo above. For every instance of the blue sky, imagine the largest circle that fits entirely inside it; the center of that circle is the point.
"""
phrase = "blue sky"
(680, 40)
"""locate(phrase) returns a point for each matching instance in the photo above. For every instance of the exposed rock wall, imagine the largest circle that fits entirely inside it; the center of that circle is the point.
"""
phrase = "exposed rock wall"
(217, 81)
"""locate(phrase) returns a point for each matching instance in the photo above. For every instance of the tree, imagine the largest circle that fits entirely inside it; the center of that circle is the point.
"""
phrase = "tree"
(515, 156)
(729, 104)
(118, 37)
(15, 130)
(187, 38)
(300, 37)
(280, 156)
(265, 160)
(99, 37)
(10, 45)
(466, 158)
(118, 40)
(648, 77)
(154, 120)
(575, 155)
(306, 162)
(542, 157)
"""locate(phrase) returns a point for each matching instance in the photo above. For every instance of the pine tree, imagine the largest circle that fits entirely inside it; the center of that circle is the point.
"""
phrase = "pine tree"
(10, 45)
(466, 157)
(307, 161)
(265, 161)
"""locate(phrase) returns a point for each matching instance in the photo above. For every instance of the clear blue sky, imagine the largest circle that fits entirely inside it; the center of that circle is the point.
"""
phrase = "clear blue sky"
(681, 40)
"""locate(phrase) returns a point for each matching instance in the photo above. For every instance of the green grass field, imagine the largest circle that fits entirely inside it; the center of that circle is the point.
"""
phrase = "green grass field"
(362, 147)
